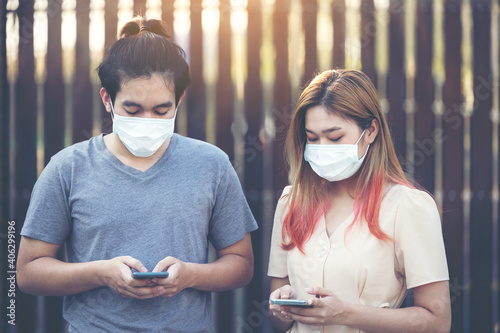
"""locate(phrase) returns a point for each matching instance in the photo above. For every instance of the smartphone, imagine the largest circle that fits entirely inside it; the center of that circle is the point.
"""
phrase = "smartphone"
(149, 275)
(292, 302)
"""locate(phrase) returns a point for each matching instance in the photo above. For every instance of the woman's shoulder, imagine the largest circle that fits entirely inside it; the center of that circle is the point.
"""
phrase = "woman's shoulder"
(398, 192)
(410, 202)
(286, 191)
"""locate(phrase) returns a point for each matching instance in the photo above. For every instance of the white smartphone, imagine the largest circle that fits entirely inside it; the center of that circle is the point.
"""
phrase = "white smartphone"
(292, 302)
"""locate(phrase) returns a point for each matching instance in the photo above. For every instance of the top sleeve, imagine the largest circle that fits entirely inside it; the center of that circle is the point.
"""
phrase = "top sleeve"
(48, 217)
(278, 256)
(231, 216)
(420, 251)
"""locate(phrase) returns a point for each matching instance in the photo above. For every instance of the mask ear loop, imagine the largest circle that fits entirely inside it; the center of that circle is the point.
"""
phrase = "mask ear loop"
(366, 152)
(112, 110)
(360, 137)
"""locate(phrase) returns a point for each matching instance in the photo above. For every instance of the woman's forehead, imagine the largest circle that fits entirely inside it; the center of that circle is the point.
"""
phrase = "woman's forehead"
(321, 116)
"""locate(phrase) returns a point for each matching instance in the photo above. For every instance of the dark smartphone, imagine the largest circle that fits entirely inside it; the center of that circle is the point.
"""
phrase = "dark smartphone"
(149, 275)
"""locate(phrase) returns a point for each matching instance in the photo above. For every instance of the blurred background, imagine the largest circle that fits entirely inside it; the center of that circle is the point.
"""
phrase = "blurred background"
(435, 65)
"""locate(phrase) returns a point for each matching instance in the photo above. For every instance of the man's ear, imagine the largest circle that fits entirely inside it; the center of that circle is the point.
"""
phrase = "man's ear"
(106, 100)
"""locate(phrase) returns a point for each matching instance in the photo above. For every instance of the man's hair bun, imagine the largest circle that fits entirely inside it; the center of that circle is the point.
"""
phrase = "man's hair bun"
(140, 25)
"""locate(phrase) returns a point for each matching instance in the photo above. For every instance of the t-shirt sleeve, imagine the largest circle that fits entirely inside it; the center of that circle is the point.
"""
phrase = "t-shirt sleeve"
(278, 256)
(420, 251)
(48, 216)
(231, 217)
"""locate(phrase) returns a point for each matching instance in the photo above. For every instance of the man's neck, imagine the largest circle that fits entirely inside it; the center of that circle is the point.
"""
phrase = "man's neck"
(118, 149)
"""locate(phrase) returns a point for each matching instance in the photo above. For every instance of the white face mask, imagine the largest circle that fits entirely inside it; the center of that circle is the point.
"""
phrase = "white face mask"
(142, 136)
(334, 162)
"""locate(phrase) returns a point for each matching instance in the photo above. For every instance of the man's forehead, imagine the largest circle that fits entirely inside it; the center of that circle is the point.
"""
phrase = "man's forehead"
(139, 88)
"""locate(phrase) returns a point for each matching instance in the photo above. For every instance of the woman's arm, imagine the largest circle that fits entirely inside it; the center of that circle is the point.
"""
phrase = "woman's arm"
(39, 272)
(431, 313)
(280, 289)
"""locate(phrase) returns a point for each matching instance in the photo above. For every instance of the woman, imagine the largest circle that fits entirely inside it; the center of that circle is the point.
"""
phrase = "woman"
(352, 234)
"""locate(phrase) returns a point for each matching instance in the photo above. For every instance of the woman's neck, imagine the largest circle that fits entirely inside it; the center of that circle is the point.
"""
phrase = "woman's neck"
(343, 188)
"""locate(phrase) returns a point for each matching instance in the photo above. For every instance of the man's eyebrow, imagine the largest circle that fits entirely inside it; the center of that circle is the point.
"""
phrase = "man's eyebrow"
(328, 130)
(164, 105)
(134, 104)
(130, 103)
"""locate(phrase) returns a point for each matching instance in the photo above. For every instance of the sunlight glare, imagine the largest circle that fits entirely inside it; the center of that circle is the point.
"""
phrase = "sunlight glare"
(153, 9)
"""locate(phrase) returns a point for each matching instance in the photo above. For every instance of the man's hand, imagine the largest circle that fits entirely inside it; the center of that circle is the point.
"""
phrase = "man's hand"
(180, 276)
(118, 276)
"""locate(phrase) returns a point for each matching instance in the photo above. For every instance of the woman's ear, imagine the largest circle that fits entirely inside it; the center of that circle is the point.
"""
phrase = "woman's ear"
(106, 100)
(372, 131)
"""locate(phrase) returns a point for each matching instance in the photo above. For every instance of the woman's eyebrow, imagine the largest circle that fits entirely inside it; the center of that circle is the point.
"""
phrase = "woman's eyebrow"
(328, 130)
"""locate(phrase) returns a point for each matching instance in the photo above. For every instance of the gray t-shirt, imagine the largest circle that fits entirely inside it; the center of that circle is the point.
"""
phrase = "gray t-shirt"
(103, 209)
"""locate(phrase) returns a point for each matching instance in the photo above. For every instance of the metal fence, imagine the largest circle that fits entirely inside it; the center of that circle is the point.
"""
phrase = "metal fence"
(435, 65)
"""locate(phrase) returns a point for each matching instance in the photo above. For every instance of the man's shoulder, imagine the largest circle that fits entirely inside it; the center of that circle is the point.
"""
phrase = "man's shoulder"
(200, 149)
(76, 152)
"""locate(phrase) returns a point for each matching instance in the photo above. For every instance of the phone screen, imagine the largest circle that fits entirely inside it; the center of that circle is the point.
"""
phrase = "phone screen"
(149, 275)
(292, 302)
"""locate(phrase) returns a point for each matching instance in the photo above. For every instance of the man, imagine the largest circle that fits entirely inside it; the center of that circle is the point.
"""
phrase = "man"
(140, 199)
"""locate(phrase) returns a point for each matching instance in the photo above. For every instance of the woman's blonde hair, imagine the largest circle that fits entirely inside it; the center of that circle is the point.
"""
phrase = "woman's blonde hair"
(349, 94)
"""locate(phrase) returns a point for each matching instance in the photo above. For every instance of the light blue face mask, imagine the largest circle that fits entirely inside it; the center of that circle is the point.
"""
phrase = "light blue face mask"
(142, 136)
(334, 162)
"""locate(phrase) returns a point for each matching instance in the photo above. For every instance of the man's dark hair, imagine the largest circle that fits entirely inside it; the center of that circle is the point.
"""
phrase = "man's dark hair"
(143, 49)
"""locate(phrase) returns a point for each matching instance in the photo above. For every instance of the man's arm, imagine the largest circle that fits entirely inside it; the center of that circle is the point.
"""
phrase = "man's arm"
(39, 272)
(232, 269)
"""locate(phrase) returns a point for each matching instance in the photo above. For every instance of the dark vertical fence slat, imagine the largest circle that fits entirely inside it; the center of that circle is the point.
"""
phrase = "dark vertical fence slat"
(453, 156)
(140, 7)
(282, 102)
(224, 89)
(395, 77)
(338, 16)
(309, 19)
(497, 283)
(196, 92)
(110, 23)
(110, 35)
(167, 16)
(224, 137)
(368, 33)
(25, 135)
(54, 125)
(4, 163)
(54, 119)
(82, 87)
(425, 145)
(481, 207)
(253, 152)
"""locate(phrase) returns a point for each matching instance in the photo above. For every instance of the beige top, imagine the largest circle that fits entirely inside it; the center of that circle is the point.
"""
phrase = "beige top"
(363, 269)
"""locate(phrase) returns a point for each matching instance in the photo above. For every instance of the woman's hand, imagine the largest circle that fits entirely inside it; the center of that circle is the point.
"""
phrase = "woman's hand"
(117, 275)
(180, 276)
(284, 292)
(327, 309)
